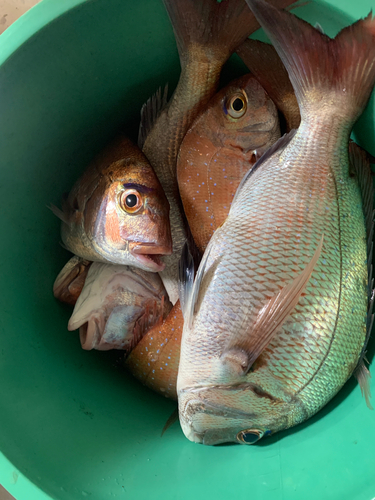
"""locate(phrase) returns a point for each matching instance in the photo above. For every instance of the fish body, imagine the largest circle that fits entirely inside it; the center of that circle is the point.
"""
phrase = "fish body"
(238, 126)
(117, 211)
(117, 306)
(154, 360)
(277, 318)
(207, 33)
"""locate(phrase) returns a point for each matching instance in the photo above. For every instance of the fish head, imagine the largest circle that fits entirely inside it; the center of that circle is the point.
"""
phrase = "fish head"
(118, 212)
(240, 413)
(242, 116)
(117, 306)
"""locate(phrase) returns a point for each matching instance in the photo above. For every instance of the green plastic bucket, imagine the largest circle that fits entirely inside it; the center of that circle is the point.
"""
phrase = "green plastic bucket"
(72, 424)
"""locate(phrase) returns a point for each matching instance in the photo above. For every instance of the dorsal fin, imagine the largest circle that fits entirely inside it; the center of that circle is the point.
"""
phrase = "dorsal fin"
(150, 112)
(279, 145)
(360, 163)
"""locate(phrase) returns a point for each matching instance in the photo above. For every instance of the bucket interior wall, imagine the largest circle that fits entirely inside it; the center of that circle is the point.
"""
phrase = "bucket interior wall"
(72, 423)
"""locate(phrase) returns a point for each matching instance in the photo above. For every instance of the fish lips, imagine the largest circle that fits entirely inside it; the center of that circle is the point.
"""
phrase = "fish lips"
(149, 254)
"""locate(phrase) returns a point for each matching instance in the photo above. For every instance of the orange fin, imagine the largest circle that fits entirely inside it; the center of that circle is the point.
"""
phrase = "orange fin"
(256, 336)
(315, 62)
(218, 26)
(363, 376)
(171, 420)
(71, 279)
(265, 64)
(59, 213)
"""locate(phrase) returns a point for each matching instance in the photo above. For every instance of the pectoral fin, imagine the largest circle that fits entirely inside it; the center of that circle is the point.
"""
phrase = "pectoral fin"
(256, 336)
(186, 277)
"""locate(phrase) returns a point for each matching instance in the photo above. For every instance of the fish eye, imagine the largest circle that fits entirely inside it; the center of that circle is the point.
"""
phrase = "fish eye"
(237, 105)
(250, 436)
(131, 201)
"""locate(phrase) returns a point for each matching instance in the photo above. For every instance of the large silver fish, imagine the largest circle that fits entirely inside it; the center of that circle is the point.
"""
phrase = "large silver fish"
(276, 321)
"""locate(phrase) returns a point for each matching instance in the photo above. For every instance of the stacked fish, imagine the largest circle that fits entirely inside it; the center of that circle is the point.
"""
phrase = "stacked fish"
(230, 264)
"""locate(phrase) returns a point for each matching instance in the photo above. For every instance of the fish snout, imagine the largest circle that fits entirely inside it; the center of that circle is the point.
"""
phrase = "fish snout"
(210, 416)
(200, 424)
(187, 412)
(159, 228)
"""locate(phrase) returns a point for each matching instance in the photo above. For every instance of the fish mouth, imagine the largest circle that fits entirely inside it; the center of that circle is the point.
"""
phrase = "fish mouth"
(149, 255)
(195, 409)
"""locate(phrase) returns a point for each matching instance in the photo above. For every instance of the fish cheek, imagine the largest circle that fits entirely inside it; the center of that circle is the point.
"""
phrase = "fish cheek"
(134, 227)
(97, 215)
(110, 221)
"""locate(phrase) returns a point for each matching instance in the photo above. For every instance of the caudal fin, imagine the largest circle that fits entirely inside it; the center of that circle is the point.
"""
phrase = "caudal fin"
(265, 64)
(216, 26)
(319, 66)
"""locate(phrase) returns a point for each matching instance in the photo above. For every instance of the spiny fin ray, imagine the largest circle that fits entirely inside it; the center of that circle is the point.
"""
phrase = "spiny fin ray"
(150, 112)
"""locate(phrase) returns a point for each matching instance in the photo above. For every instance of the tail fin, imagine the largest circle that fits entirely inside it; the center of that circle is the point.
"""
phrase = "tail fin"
(317, 64)
(265, 64)
(215, 26)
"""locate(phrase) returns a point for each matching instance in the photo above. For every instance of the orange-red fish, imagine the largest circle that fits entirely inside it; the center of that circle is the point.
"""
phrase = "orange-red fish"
(154, 361)
(239, 125)
(207, 33)
(117, 211)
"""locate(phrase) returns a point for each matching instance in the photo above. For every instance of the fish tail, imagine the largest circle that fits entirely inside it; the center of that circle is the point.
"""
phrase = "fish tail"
(319, 66)
(217, 27)
(265, 64)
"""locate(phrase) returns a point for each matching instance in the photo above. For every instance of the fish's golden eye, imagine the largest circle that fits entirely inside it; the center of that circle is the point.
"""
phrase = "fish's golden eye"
(237, 105)
(131, 201)
(250, 436)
